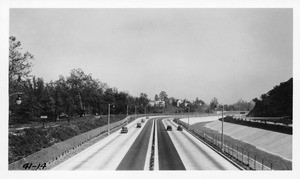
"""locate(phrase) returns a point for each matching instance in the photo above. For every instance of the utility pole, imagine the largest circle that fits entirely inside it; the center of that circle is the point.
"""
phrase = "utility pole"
(188, 117)
(108, 120)
(222, 128)
(127, 115)
(134, 112)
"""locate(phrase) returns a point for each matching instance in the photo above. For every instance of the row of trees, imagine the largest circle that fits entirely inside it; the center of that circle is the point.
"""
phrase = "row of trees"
(278, 102)
(75, 95)
(79, 94)
(199, 105)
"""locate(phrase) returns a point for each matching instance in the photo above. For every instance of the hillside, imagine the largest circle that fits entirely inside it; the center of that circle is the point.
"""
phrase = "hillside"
(278, 102)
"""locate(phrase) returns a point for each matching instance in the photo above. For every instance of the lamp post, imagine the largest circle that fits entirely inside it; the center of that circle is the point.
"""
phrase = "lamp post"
(222, 147)
(222, 135)
(188, 117)
(134, 112)
(108, 120)
(127, 115)
(127, 110)
(19, 99)
(186, 105)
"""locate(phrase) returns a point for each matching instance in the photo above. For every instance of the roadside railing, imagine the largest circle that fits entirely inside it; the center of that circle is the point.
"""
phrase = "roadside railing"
(240, 155)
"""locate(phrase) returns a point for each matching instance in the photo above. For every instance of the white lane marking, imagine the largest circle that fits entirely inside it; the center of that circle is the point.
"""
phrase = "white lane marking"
(192, 157)
(101, 145)
(156, 157)
(148, 155)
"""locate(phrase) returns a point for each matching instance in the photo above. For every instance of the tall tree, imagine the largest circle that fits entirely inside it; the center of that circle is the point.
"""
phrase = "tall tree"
(156, 98)
(19, 63)
(214, 103)
(163, 96)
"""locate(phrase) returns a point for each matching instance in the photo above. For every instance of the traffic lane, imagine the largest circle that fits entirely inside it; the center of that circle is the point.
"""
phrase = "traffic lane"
(105, 154)
(136, 156)
(167, 154)
(196, 155)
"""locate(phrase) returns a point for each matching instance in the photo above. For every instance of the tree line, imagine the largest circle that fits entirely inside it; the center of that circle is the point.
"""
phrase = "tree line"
(278, 102)
(79, 94)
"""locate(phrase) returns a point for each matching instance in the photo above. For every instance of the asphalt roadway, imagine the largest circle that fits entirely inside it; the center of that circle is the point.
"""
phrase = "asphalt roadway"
(177, 150)
(135, 158)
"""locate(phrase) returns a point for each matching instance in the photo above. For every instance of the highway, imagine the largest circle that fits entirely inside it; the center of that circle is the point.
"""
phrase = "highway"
(175, 150)
(194, 154)
(135, 158)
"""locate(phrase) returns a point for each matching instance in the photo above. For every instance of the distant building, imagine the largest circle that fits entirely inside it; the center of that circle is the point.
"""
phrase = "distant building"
(151, 103)
(157, 103)
(178, 103)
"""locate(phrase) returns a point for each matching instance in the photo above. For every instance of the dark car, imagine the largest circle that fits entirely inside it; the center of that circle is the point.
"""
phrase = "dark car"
(169, 128)
(179, 128)
(124, 130)
(138, 125)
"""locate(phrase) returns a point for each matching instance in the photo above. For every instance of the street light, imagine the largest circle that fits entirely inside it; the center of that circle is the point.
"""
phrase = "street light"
(108, 121)
(19, 99)
(186, 105)
(127, 114)
(222, 136)
(134, 112)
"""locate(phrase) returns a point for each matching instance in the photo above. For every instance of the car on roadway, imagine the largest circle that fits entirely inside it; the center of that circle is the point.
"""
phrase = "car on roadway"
(169, 128)
(179, 128)
(124, 130)
(143, 121)
(138, 125)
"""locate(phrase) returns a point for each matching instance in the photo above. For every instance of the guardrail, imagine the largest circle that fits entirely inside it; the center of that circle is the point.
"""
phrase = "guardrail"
(241, 156)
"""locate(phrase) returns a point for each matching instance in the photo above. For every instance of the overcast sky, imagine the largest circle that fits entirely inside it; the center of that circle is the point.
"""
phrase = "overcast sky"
(205, 53)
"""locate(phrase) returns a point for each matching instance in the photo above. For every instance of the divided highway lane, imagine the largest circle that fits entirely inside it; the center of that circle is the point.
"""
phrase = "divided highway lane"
(194, 154)
(167, 153)
(136, 156)
(105, 154)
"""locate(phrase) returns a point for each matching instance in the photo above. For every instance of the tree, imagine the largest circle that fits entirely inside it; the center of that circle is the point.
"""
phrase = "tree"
(163, 96)
(214, 103)
(156, 98)
(278, 102)
(19, 63)
(79, 84)
(143, 100)
(198, 104)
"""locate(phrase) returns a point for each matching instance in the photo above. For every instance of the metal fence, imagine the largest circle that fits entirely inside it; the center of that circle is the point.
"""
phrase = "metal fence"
(240, 155)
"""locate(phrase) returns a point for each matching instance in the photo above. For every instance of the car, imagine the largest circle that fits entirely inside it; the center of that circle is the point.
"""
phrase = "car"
(138, 125)
(143, 121)
(179, 128)
(169, 128)
(124, 130)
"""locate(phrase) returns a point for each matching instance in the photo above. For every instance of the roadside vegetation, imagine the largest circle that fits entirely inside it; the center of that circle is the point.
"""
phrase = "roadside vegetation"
(278, 102)
(30, 140)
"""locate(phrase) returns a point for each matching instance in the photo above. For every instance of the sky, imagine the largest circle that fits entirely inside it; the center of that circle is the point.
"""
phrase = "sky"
(229, 54)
